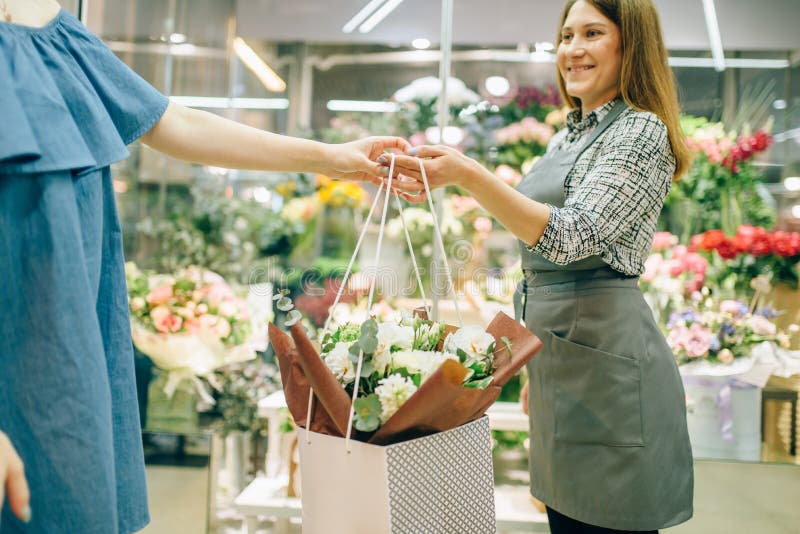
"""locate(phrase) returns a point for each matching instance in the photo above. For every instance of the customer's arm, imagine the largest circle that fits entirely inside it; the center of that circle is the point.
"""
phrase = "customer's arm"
(12, 480)
(205, 138)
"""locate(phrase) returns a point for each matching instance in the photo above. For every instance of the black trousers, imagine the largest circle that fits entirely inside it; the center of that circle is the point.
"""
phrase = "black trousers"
(561, 524)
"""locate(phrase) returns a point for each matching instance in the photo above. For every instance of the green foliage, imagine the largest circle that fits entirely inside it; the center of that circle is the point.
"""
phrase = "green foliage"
(367, 413)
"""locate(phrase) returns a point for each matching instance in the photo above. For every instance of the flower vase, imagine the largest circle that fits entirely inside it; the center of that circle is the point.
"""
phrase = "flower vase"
(336, 232)
(176, 414)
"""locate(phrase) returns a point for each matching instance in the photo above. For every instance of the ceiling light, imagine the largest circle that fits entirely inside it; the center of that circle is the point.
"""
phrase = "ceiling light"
(235, 103)
(540, 56)
(796, 211)
(497, 85)
(253, 61)
(177, 38)
(421, 43)
(792, 183)
(359, 17)
(714, 37)
(379, 15)
(369, 106)
(739, 63)
(779, 104)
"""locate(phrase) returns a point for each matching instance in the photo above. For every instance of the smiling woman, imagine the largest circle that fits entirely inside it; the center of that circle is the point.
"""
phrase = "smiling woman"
(609, 447)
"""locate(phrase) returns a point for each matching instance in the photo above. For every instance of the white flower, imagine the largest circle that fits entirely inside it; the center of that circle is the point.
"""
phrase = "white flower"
(393, 391)
(473, 340)
(391, 335)
(421, 362)
(761, 325)
(338, 361)
(228, 308)
(430, 87)
(137, 303)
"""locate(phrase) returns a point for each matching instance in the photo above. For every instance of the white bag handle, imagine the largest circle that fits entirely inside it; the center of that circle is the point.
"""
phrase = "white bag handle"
(438, 240)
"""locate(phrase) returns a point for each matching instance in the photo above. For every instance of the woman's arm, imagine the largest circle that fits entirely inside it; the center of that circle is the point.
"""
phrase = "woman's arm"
(205, 138)
(523, 217)
(626, 185)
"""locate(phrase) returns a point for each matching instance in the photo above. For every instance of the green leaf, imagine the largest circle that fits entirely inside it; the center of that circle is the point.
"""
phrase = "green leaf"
(285, 304)
(292, 317)
(370, 327)
(469, 375)
(507, 343)
(367, 368)
(368, 343)
(368, 413)
(463, 356)
(479, 384)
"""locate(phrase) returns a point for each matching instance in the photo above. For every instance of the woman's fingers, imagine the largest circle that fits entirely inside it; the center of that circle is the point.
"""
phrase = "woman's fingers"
(405, 184)
(429, 151)
(400, 161)
(414, 199)
(12, 479)
(387, 142)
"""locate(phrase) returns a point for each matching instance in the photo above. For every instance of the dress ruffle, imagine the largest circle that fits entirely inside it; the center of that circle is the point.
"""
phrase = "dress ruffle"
(66, 101)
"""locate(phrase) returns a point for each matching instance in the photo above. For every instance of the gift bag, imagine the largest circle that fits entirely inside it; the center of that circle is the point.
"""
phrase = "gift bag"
(427, 467)
(438, 484)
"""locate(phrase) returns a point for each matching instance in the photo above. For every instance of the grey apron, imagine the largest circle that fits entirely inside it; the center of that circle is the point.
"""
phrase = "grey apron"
(609, 444)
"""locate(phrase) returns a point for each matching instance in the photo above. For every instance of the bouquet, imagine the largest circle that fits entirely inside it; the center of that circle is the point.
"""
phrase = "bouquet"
(720, 332)
(189, 324)
(416, 377)
(672, 274)
(751, 252)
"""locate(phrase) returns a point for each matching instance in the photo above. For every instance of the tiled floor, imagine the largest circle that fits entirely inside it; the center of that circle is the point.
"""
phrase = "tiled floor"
(730, 498)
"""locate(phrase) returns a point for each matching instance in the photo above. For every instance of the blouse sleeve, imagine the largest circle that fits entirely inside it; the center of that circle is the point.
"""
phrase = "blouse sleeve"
(630, 178)
(133, 104)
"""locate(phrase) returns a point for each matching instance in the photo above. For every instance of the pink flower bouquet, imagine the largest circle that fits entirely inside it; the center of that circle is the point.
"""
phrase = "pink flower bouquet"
(189, 324)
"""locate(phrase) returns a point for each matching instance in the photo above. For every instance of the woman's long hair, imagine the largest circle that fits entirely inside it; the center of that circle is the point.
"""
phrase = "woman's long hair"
(646, 80)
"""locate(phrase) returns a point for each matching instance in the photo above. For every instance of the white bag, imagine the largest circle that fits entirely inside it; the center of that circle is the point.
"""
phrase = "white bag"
(438, 484)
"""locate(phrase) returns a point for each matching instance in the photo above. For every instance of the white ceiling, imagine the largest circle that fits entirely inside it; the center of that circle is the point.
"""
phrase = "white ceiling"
(765, 25)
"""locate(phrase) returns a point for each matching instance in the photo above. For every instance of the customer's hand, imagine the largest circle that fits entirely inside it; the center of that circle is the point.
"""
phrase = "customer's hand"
(523, 397)
(12, 480)
(357, 160)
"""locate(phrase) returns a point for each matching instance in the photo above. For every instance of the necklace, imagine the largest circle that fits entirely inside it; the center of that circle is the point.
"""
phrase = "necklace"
(4, 9)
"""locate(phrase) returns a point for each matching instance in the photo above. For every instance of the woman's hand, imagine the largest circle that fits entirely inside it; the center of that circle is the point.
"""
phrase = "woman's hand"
(12, 480)
(358, 160)
(445, 166)
(523, 397)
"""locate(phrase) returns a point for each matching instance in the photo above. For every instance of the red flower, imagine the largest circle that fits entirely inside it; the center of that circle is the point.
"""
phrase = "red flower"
(727, 249)
(786, 244)
(711, 239)
(761, 246)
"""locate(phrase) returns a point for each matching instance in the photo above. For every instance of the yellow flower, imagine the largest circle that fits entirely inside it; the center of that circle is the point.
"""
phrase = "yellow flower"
(286, 188)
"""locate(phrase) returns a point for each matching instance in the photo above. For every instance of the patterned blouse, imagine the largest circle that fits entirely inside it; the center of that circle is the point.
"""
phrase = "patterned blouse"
(614, 193)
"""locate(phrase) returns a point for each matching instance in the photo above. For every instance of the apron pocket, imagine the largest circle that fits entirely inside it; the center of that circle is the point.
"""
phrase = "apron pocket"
(597, 395)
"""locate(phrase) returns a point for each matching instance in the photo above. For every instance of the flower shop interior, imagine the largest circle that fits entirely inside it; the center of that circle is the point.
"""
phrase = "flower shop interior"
(258, 247)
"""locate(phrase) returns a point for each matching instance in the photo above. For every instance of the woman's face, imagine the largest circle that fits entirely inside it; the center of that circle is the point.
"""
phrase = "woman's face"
(589, 56)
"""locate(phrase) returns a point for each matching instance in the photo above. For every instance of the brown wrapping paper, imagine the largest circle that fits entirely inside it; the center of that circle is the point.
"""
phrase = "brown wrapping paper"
(296, 387)
(441, 403)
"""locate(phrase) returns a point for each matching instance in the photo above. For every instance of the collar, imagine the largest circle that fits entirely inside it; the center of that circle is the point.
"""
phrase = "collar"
(577, 124)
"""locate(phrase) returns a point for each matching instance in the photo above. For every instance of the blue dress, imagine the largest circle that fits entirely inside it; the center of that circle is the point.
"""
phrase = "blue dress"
(68, 108)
